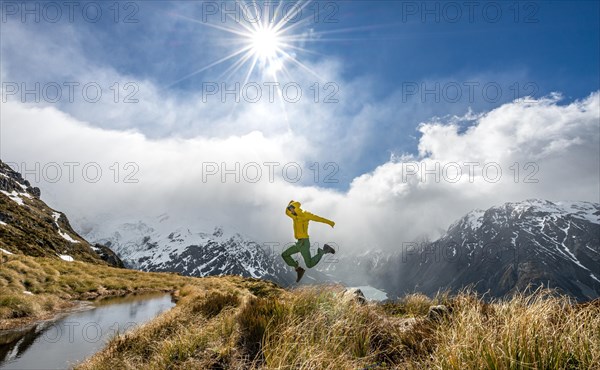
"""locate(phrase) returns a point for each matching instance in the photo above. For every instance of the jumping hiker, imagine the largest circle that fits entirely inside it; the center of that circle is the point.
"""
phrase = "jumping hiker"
(301, 219)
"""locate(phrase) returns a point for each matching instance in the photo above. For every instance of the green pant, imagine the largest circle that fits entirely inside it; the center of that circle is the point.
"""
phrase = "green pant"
(302, 246)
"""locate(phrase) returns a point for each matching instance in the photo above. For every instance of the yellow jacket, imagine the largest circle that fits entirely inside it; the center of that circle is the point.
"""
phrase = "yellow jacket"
(301, 220)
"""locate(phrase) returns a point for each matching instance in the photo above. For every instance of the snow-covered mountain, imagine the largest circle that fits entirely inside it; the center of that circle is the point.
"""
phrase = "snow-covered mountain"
(503, 249)
(352, 269)
(499, 251)
(158, 245)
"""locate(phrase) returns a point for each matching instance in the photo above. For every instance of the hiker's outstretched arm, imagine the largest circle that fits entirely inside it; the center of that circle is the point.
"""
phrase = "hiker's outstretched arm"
(314, 217)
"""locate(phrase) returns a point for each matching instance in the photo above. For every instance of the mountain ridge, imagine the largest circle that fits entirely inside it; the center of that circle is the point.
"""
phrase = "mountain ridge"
(506, 248)
(29, 226)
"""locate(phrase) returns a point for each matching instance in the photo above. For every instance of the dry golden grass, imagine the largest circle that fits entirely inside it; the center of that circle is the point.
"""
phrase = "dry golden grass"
(313, 328)
(199, 333)
(35, 287)
(540, 330)
(236, 323)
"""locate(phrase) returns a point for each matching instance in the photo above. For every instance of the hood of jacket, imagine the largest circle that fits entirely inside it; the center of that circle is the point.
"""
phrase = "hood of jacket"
(297, 208)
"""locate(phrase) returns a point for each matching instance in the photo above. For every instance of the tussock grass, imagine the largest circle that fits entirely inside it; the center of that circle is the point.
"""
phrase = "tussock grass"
(34, 287)
(235, 323)
(415, 304)
(540, 330)
(315, 328)
(214, 303)
(199, 333)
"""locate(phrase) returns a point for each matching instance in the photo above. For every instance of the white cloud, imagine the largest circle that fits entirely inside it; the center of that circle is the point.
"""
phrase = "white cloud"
(555, 147)
(381, 208)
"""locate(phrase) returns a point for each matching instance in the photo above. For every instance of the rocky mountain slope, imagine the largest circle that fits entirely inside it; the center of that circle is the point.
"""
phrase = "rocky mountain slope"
(30, 226)
(499, 251)
(504, 249)
(162, 247)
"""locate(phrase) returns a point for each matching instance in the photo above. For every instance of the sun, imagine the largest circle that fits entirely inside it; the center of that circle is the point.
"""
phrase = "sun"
(268, 46)
(265, 43)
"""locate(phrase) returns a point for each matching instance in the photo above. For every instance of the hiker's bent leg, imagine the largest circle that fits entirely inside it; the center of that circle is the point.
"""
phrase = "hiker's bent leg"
(287, 255)
(305, 251)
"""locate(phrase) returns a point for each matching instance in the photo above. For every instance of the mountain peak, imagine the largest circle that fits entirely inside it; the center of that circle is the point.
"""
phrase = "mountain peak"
(506, 248)
(30, 226)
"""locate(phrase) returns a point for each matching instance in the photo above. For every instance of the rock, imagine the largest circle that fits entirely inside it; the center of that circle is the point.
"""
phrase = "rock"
(6, 218)
(354, 294)
(35, 191)
(108, 255)
(437, 313)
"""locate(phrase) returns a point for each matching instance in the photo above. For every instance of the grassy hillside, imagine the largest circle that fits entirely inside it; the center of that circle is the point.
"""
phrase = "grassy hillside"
(31, 230)
(35, 287)
(314, 328)
(232, 322)
(29, 226)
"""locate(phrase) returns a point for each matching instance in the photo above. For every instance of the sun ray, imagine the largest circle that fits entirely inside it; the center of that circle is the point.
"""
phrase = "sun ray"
(282, 22)
(211, 65)
(276, 11)
(302, 65)
(252, 65)
(226, 29)
(236, 66)
(244, 10)
(300, 49)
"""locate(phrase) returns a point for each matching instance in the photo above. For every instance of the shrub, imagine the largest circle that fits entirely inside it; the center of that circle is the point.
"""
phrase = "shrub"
(254, 318)
(213, 303)
(16, 305)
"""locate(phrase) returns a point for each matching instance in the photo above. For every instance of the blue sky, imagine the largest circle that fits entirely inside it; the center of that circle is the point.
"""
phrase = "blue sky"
(377, 57)
(552, 46)
(556, 42)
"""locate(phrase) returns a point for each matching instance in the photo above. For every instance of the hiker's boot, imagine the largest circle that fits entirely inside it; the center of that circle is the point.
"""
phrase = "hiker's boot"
(300, 272)
(328, 249)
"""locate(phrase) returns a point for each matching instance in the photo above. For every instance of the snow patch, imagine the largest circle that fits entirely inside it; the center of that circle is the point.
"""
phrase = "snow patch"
(3, 223)
(56, 216)
(66, 257)
(67, 237)
(474, 219)
(583, 210)
(24, 187)
(14, 195)
(5, 251)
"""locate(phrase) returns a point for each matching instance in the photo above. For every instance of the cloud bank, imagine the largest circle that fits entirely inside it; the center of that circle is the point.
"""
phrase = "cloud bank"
(519, 150)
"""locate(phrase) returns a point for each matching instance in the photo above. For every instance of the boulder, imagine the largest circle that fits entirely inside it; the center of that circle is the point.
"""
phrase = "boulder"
(354, 294)
(437, 313)
(108, 255)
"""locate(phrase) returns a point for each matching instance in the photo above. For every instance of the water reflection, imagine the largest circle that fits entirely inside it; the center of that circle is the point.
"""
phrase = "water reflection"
(62, 343)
